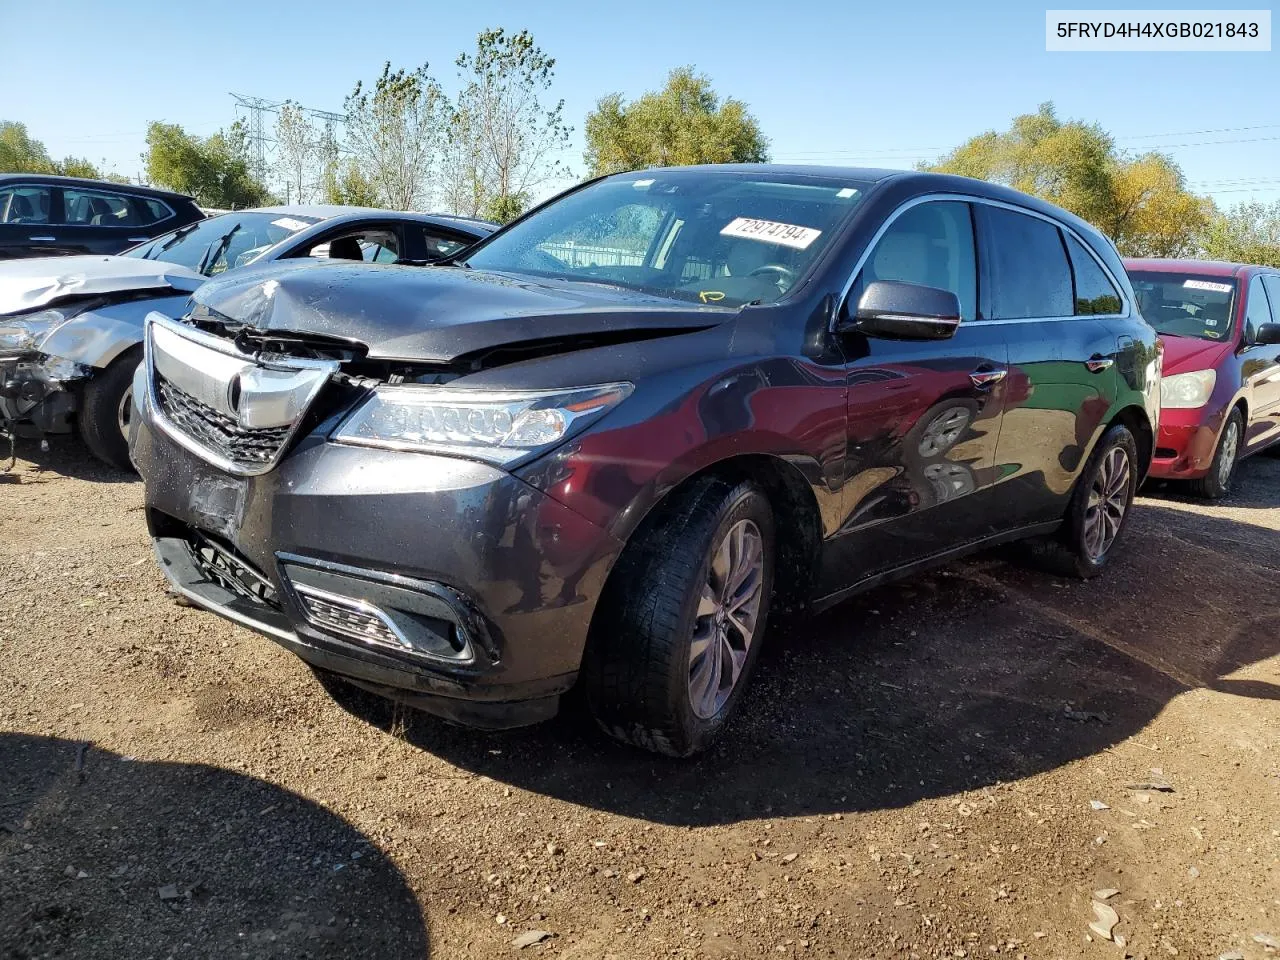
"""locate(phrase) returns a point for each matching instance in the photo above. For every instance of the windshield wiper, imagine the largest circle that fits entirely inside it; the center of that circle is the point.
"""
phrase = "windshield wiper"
(177, 235)
(216, 249)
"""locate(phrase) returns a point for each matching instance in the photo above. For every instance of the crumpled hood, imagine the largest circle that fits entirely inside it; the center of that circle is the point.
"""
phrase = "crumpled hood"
(436, 313)
(1183, 354)
(32, 283)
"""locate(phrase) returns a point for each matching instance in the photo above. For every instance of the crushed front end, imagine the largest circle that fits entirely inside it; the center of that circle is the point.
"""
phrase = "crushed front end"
(443, 581)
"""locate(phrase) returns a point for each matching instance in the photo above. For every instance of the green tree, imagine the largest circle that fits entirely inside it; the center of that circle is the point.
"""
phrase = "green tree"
(1140, 202)
(503, 141)
(296, 152)
(20, 152)
(1247, 233)
(350, 186)
(396, 131)
(686, 122)
(214, 170)
(504, 208)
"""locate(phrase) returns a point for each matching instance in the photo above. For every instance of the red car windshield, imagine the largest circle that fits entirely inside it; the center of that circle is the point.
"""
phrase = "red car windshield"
(1185, 305)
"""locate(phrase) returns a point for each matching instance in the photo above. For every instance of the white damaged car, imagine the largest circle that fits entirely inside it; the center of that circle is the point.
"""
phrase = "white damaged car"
(71, 327)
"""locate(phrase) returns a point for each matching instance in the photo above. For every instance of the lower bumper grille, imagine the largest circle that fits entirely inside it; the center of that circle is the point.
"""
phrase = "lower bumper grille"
(211, 429)
(223, 567)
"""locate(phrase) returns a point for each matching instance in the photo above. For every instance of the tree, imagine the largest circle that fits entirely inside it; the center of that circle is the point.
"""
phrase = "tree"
(296, 152)
(350, 186)
(397, 131)
(1247, 233)
(503, 142)
(1140, 202)
(686, 122)
(214, 170)
(22, 153)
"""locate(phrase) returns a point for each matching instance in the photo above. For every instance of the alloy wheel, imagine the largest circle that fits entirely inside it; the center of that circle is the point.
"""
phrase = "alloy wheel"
(1108, 501)
(124, 412)
(725, 622)
(1227, 456)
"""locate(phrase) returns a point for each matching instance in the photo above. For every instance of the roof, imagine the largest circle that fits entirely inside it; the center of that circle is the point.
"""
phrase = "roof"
(55, 180)
(1210, 268)
(330, 211)
(787, 169)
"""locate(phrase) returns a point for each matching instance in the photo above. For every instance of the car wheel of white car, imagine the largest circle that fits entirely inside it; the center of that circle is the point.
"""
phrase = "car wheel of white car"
(105, 410)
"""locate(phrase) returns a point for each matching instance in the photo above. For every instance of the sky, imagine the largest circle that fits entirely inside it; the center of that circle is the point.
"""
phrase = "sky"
(885, 84)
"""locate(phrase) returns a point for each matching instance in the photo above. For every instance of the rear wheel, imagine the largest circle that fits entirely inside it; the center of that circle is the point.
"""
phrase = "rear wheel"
(679, 627)
(106, 407)
(1217, 482)
(1098, 511)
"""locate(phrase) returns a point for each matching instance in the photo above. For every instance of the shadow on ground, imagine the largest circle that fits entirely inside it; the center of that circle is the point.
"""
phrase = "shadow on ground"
(981, 673)
(67, 456)
(183, 860)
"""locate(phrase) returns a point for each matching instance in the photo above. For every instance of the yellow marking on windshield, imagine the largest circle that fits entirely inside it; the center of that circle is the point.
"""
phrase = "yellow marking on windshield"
(710, 296)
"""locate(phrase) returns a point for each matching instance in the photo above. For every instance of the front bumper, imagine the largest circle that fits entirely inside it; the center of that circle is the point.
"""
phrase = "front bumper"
(454, 548)
(1186, 443)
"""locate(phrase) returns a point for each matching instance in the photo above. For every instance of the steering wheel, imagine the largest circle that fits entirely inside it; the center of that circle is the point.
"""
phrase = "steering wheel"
(783, 275)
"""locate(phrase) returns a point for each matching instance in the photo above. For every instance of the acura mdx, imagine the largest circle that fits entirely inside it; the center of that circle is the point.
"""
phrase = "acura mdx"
(604, 446)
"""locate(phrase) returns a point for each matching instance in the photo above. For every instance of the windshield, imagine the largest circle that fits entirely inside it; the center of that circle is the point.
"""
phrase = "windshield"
(1185, 305)
(718, 237)
(221, 243)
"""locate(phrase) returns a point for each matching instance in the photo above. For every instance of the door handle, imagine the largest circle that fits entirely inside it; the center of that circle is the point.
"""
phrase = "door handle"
(1097, 363)
(987, 378)
(43, 239)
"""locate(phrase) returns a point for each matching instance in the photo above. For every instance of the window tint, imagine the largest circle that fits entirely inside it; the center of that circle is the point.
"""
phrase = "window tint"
(95, 209)
(154, 211)
(1030, 276)
(930, 244)
(439, 245)
(1256, 310)
(24, 205)
(1272, 283)
(1095, 293)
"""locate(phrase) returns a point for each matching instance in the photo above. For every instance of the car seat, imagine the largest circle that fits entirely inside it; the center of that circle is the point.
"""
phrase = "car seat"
(345, 248)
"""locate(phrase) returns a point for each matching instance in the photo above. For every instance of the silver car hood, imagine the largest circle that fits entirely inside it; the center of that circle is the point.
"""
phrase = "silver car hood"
(29, 284)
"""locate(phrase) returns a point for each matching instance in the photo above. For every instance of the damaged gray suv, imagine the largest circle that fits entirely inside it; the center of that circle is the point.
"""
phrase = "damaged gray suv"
(598, 447)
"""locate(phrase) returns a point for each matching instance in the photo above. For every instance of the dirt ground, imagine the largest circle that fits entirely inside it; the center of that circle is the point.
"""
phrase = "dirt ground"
(958, 766)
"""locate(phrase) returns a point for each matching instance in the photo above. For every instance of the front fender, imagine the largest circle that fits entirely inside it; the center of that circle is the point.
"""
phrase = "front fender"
(96, 337)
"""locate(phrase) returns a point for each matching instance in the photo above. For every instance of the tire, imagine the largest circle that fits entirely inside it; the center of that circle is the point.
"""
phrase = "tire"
(104, 396)
(1071, 552)
(1217, 482)
(642, 662)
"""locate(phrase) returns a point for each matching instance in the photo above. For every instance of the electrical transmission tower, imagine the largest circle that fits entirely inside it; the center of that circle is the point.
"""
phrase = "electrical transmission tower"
(259, 136)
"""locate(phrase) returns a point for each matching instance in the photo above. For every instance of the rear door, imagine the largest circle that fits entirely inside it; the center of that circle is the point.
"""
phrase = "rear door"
(1048, 293)
(103, 221)
(923, 416)
(1261, 362)
(26, 221)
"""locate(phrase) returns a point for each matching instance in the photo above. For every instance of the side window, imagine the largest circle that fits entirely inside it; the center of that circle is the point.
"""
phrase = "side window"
(153, 211)
(439, 245)
(371, 246)
(1095, 293)
(1272, 282)
(25, 204)
(1030, 276)
(91, 208)
(1256, 310)
(930, 244)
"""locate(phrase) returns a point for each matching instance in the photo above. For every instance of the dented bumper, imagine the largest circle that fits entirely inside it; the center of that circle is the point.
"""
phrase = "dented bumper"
(447, 583)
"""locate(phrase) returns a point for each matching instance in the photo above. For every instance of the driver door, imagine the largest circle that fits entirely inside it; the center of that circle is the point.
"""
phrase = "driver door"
(923, 416)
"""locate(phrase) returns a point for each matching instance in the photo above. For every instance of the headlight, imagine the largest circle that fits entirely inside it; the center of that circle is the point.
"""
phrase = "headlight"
(498, 426)
(27, 333)
(1184, 391)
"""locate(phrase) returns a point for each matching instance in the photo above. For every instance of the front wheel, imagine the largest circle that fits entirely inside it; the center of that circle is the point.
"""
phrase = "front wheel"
(1217, 482)
(105, 410)
(679, 626)
(1097, 514)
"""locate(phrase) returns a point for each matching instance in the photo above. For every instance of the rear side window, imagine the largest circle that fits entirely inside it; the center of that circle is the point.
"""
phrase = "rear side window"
(1030, 276)
(1272, 283)
(153, 211)
(94, 209)
(1095, 293)
(930, 244)
(25, 204)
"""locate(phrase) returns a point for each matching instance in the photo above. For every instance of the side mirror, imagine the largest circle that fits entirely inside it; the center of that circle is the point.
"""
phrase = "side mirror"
(1268, 333)
(904, 311)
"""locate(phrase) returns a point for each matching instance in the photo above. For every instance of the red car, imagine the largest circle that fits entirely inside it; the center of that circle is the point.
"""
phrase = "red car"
(1220, 390)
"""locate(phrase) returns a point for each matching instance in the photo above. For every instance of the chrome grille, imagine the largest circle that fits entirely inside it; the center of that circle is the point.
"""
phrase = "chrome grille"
(349, 617)
(216, 431)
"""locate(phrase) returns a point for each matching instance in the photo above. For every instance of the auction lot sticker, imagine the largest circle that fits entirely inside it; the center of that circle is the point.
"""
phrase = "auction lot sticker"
(786, 234)
(1236, 31)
